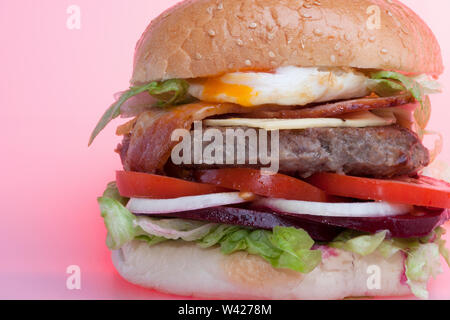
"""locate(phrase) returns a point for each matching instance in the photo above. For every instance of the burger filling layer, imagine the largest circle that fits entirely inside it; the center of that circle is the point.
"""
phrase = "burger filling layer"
(350, 157)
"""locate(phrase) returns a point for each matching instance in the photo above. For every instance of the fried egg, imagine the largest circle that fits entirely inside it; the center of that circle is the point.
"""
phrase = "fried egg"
(285, 86)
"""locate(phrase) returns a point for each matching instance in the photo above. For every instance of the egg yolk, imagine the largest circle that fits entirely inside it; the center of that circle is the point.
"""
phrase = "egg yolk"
(214, 87)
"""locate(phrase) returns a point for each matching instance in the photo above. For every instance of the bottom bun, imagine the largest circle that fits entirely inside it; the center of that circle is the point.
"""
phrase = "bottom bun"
(188, 270)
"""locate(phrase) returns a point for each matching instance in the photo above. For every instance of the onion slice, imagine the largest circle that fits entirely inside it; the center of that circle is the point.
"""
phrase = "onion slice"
(324, 209)
(162, 206)
(174, 228)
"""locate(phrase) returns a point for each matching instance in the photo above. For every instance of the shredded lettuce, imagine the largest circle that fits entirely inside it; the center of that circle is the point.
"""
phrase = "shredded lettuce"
(170, 92)
(422, 263)
(429, 86)
(362, 244)
(217, 234)
(422, 254)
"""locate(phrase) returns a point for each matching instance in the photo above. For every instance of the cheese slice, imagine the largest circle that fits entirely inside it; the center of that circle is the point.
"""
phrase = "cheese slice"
(354, 120)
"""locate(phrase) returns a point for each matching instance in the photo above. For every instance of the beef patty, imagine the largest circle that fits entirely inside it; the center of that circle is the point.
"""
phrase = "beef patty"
(373, 152)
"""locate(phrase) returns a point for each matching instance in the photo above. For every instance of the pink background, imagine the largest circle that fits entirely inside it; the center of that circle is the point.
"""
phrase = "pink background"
(56, 83)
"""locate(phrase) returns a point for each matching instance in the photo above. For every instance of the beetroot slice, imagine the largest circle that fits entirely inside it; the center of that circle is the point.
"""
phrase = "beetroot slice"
(258, 219)
(321, 228)
(404, 226)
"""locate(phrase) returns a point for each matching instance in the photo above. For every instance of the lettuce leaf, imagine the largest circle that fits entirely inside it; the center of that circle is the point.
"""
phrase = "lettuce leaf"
(385, 87)
(216, 235)
(151, 240)
(440, 232)
(408, 84)
(296, 245)
(113, 193)
(357, 242)
(428, 85)
(283, 247)
(286, 248)
(422, 263)
(386, 83)
(422, 254)
(118, 221)
(170, 92)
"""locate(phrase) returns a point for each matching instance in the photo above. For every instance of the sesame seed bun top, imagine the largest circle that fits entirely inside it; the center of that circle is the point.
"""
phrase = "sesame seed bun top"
(202, 38)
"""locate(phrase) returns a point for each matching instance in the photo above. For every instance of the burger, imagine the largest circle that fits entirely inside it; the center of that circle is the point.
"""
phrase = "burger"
(276, 150)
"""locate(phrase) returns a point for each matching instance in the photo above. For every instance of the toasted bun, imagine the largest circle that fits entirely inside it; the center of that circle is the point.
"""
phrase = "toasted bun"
(201, 38)
(186, 269)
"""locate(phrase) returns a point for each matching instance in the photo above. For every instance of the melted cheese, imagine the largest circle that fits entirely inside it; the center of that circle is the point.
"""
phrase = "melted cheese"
(285, 86)
(354, 120)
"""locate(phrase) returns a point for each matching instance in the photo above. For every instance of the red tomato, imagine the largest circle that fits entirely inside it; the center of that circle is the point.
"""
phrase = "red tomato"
(143, 185)
(273, 186)
(423, 191)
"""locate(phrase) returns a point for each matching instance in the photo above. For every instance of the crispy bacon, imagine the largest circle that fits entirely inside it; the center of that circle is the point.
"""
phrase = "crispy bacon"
(334, 109)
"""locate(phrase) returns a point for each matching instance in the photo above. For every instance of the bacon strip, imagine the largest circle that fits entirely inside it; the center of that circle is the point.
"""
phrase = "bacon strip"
(335, 109)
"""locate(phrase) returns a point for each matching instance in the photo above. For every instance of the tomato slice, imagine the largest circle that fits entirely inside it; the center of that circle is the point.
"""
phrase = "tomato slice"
(421, 191)
(143, 185)
(273, 186)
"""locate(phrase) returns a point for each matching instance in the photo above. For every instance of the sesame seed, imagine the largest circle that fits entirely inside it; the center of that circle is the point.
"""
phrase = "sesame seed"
(384, 51)
(212, 33)
(372, 39)
(248, 62)
(318, 32)
(198, 56)
(270, 36)
(333, 58)
(389, 14)
(253, 25)
(306, 15)
(240, 42)
(209, 10)
(220, 6)
(271, 54)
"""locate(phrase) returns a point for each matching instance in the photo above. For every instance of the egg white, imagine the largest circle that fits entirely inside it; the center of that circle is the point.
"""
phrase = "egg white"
(286, 86)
